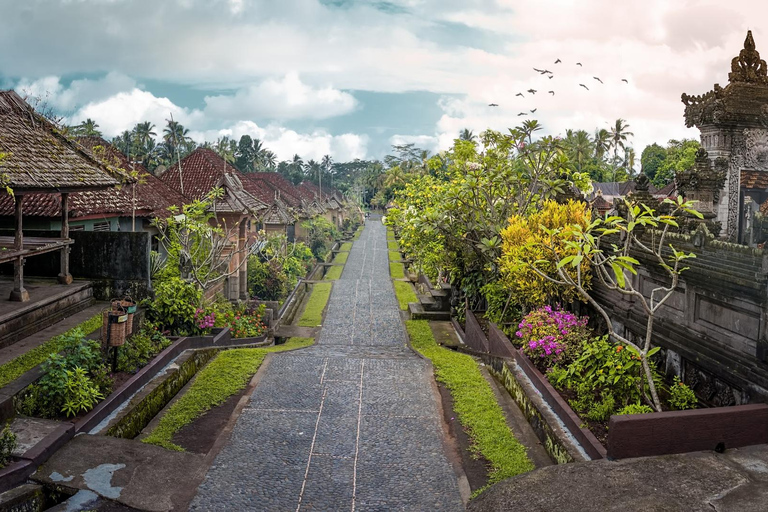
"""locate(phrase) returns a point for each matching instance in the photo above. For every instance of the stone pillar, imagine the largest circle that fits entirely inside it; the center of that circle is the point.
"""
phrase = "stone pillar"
(64, 276)
(242, 243)
(19, 293)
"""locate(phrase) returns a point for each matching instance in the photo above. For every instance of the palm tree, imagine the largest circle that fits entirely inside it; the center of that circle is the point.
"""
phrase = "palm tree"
(87, 129)
(225, 148)
(602, 142)
(175, 136)
(327, 163)
(468, 135)
(629, 161)
(268, 160)
(619, 135)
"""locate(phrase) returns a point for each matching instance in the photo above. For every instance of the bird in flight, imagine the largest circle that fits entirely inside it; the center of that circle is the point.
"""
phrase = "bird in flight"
(597, 79)
(522, 114)
(584, 86)
(532, 91)
(558, 61)
(542, 71)
(550, 77)
(534, 110)
(625, 80)
(493, 105)
(520, 94)
(552, 93)
(579, 64)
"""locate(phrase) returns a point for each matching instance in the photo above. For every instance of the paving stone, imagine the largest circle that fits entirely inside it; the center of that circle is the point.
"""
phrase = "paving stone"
(383, 452)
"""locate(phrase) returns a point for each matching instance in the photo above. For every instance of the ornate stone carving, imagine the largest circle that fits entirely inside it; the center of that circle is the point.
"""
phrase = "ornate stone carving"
(748, 66)
(756, 142)
(736, 163)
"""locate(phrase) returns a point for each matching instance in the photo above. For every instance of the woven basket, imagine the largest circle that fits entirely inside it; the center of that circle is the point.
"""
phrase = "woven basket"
(113, 325)
(130, 308)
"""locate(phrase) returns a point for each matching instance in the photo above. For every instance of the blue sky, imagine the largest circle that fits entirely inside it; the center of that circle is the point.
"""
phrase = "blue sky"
(351, 77)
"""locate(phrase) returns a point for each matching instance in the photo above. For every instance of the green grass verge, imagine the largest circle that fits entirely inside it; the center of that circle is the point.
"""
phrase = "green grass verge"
(346, 246)
(475, 405)
(395, 256)
(358, 233)
(313, 313)
(333, 273)
(341, 257)
(228, 373)
(393, 246)
(15, 368)
(396, 270)
(405, 294)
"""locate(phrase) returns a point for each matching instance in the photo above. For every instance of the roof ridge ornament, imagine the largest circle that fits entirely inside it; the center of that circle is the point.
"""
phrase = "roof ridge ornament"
(748, 66)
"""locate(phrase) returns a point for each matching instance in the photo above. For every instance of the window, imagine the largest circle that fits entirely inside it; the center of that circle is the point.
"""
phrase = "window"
(102, 226)
(79, 227)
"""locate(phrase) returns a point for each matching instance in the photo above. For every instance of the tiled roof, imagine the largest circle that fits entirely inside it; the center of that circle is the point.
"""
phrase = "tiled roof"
(153, 197)
(752, 179)
(277, 181)
(599, 203)
(41, 158)
(668, 190)
(202, 170)
(235, 198)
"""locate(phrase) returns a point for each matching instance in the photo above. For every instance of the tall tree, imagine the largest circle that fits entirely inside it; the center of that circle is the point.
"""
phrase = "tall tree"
(619, 136)
(87, 128)
(245, 155)
(468, 135)
(651, 159)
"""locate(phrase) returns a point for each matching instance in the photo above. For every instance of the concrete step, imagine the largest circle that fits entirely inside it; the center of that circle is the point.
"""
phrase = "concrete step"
(418, 312)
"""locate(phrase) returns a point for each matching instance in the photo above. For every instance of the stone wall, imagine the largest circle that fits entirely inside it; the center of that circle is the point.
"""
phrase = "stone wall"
(713, 328)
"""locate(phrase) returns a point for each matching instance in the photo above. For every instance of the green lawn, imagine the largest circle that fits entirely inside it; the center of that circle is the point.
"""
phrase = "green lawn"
(346, 246)
(393, 246)
(395, 256)
(333, 273)
(313, 313)
(396, 270)
(341, 257)
(15, 368)
(475, 405)
(405, 294)
(228, 373)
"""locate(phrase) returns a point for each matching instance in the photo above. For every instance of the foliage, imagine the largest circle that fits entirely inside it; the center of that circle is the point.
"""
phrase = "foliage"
(663, 163)
(7, 445)
(475, 404)
(313, 311)
(528, 241)
(635, 409)
(405, 294)
(141, 347)
(72, 382)
(227, 374)
(320, 235)
(396, 270)
(681, 396)
(15, 368)
(642, 230)
(552, 336)
(245, 323)
(651, 159)
(175, 304)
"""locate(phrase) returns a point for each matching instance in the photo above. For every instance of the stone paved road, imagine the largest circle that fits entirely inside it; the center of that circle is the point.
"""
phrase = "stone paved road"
(349, 424)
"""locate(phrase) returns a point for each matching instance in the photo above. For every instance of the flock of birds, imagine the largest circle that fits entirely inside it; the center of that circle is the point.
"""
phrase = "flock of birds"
(549, 74)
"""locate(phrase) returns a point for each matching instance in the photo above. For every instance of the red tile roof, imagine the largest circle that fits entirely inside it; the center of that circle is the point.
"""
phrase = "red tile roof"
(201, 172)
(277, 182)
(751, 179)
(153, 197)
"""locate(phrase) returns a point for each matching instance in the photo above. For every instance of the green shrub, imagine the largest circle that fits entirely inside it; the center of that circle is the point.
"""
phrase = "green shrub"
(405, 294)
(602, 410)
(475, 404)
(635, 409)
(81, 394)
(7, 445)
(140, 348)
(175, 304)
(681, 396)
(313, 312)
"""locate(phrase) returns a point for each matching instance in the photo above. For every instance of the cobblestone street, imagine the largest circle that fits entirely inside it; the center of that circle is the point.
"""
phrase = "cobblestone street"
(349, 424)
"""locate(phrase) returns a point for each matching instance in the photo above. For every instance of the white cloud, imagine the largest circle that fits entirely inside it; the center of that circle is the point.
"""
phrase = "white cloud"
(288, 98)
(79, 92)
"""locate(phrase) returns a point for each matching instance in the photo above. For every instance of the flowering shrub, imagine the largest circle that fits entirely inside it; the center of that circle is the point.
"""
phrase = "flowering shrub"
(681, 396)
(245, 323)
(551, 336)
(204, 321)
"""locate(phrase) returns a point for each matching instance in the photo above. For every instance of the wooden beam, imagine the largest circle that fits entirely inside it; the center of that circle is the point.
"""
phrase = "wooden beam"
(19, 293)
(64, 276)
(243, 255)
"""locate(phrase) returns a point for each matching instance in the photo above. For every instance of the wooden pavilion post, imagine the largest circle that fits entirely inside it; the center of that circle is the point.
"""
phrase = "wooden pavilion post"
(241, 242)
(64, 276)
(19, 293)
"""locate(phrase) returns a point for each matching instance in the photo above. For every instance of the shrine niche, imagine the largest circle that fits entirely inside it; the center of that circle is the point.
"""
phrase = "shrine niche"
(733, 122)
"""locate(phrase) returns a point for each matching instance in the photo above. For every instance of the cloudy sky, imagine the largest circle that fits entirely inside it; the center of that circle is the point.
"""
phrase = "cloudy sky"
(351, 77)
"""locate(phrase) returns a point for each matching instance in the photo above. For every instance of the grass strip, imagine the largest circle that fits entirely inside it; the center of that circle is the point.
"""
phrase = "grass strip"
(227, 374)
(393, 246)
(475, 405)
(396, 270)
(341, 257)
(395, 256)
(405, 294)
(17, 367)
(333, 273)
(313, 313)
(346, 246)
(358, 233)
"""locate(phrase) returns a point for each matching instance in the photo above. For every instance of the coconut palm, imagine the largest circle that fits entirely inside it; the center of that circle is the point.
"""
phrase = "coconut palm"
(602, 142)
(468, 135)
(618, 136)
